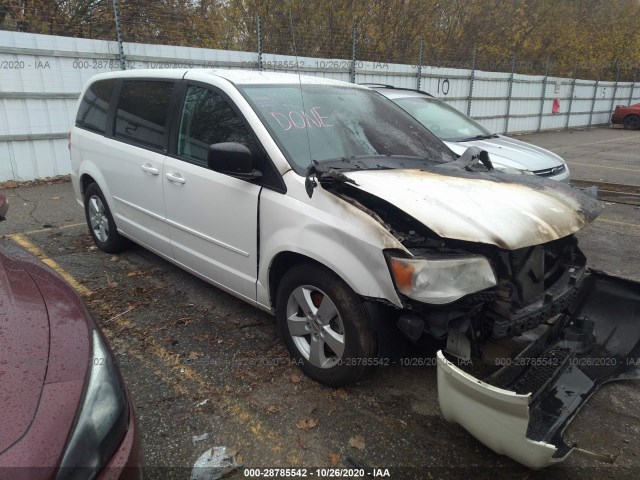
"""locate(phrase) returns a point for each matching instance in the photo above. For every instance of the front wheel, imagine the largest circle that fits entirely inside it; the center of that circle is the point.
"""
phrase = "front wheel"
(324, 325)
(631, 122)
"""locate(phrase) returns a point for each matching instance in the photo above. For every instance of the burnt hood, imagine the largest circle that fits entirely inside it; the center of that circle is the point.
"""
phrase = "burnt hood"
(509, 211)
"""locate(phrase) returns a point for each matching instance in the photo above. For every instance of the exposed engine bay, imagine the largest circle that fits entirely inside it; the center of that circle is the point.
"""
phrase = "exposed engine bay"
(534, 283)
(574, 329)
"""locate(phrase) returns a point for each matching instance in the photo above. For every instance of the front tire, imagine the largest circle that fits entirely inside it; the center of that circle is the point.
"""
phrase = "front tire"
(631, 122)
(100, 221)
(324, 325)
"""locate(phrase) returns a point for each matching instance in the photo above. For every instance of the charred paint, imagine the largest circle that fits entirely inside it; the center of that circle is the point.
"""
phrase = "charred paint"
(492, 208)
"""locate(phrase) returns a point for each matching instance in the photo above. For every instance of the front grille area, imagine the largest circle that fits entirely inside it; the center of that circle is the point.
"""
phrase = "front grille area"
(550, 172)
(534, 284)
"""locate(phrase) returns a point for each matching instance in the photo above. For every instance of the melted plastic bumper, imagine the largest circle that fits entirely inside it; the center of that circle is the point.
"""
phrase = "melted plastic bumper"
(522, 409)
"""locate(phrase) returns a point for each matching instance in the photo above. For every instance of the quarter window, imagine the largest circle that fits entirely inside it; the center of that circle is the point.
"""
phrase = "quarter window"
(142, 112)
(207, 118)
(92, 113)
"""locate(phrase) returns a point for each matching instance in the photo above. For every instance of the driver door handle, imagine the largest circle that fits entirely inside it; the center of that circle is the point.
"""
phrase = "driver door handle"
(175, 177)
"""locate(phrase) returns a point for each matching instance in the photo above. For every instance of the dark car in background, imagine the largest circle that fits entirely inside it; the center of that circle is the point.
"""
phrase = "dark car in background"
(65, 409)
(629, 116)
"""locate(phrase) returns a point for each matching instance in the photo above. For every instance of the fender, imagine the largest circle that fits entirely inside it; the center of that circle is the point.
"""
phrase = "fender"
(330, 231)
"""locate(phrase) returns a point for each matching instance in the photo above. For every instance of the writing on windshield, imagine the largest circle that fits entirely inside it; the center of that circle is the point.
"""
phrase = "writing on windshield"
(301, 119)
(316, 123)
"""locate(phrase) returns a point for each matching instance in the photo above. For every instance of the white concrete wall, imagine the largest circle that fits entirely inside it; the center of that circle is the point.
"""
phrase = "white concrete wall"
(41, 77)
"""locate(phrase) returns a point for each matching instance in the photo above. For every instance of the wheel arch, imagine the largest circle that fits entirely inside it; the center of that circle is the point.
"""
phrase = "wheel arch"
(633, 116)
(382, 314)
(85, 180)
(89, 173)
(281, 264)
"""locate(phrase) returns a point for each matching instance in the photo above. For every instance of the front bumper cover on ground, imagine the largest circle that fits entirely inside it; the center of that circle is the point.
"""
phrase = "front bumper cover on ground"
(522, 409)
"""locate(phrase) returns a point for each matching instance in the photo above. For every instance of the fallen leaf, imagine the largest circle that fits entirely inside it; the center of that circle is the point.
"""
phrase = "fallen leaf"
(342, 393)
(182, 321)
(307, 424)
(239, 458)
(334, 459)
(273, 409)
(296, 378)
(194, 355)
(133, 274)
(357, 442)
(232, 451)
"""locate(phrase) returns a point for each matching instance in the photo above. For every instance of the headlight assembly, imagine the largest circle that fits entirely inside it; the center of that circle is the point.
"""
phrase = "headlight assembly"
(102, 422)
(441, 280)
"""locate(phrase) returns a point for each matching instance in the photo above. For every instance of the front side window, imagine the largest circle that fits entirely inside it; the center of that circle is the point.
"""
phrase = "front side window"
(317, 123)
(92, 113)
(206, 119)
(142, 112)
(447, 123)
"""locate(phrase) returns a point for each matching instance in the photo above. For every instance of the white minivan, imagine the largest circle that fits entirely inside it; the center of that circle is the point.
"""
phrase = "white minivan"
(329, 206)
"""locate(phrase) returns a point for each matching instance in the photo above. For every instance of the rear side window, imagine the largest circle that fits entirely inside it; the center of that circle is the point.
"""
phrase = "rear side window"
(92, 113)
(142, 112)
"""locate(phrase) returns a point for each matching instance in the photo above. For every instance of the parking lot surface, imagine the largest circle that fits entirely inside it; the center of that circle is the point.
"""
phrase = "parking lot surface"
(600, 154)
(198, 361)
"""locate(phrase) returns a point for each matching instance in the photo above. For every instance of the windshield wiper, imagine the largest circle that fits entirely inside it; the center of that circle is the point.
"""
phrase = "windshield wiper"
(329, 172)
(326, 175)
(478, 137)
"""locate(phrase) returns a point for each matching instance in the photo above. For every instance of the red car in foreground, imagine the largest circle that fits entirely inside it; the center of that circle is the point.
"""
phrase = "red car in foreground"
(627, 116)
(65, 412)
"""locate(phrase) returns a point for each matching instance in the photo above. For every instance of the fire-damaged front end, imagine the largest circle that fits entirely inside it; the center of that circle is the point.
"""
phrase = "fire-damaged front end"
(532, 284)
(490, 264)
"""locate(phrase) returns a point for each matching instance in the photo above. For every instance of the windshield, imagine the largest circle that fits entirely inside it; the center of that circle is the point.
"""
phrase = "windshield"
(328, 122)
(444, 121)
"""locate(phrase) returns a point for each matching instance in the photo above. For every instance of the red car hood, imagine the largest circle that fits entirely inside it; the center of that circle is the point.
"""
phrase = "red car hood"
(24, 350)
(44, 358)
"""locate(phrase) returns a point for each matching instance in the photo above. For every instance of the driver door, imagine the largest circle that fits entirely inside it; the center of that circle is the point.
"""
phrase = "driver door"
(212, 217)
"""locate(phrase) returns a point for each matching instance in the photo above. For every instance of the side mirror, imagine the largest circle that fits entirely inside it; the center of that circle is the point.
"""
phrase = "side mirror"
(233, 159)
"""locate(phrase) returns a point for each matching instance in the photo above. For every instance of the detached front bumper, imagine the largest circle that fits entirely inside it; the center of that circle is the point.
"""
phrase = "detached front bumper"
(522, 409)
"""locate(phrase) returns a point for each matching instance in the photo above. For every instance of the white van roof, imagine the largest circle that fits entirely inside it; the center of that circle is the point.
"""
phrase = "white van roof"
(236, 76)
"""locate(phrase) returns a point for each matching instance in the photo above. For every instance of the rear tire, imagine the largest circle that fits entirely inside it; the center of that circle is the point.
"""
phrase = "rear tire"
(631, 122)
(100, 221)
(324, 325)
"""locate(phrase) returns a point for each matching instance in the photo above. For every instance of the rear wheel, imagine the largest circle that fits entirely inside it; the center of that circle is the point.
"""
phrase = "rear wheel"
(100, 221)
(324, 325)
(631, 122)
